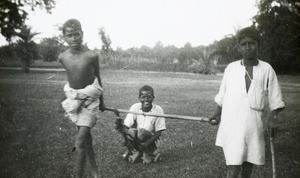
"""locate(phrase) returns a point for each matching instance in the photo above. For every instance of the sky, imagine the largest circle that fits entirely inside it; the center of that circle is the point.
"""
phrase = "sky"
(133, 23)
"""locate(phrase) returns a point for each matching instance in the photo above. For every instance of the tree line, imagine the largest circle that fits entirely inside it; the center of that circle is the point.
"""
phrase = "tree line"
(277, 21)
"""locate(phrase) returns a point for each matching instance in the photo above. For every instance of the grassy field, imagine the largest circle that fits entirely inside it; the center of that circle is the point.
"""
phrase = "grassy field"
(36, 140)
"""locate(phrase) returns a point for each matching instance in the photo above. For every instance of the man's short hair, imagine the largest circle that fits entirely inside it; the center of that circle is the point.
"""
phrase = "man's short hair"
(250, 32)
(146, 88)
(72, 23)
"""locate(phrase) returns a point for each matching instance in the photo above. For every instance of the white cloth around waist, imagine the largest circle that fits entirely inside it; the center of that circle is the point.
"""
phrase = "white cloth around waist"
(82, 105)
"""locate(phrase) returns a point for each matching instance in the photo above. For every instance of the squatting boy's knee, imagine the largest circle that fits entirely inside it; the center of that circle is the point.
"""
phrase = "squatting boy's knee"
(143, 135)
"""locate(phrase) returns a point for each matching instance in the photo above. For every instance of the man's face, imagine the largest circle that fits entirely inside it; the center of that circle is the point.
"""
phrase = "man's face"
(146, 98)
(73, 37)
(248, 47)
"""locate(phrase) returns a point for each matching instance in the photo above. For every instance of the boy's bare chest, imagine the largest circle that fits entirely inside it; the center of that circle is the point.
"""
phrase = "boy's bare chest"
(73, 63)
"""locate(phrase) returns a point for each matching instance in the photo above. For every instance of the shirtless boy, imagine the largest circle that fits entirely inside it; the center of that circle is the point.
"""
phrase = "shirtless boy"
(83, 91)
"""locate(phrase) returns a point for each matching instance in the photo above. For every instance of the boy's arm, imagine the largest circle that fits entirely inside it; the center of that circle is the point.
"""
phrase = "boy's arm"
(59, 59)
(97, 74)
(155, 136)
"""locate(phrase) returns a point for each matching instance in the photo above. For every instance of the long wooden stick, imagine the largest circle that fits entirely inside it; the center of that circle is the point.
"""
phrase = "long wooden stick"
(170, 116)
(271, 137)
(273, 157)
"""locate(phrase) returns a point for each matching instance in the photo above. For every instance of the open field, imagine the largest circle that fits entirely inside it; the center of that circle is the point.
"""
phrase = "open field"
(36, 140)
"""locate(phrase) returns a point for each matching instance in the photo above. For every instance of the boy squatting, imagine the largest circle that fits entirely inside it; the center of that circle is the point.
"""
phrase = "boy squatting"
(142, 133)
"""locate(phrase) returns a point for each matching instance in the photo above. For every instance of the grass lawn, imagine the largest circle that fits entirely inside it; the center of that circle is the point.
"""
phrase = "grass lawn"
(36, 140)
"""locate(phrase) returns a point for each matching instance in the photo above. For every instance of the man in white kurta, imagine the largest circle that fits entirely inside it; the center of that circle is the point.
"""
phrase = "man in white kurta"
(241, 130)
(245, 85)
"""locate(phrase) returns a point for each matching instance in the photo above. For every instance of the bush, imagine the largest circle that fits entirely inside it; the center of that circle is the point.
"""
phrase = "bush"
(50, 48)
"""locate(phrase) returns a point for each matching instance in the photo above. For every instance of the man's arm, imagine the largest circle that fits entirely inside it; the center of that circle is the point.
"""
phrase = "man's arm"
(216, 117)
(276, 103)
(97, 74)
(272, 118)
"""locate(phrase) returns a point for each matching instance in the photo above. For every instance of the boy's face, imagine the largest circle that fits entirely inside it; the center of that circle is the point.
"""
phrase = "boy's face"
(146, 98)
(248, 47)
(73, 37)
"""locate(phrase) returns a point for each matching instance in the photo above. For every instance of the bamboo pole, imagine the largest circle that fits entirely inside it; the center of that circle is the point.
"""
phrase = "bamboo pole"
(169, 116)
(271, 137)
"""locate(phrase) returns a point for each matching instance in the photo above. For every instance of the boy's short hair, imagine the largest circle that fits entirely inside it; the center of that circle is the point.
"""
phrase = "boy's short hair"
(73, 23)
(250, 32)
(146, 88)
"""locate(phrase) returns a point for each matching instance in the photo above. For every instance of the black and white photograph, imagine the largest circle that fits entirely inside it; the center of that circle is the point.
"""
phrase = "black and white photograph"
(149, 88)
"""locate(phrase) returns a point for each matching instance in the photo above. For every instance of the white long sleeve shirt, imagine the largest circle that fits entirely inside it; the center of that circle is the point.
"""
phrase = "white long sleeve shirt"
(241, 129)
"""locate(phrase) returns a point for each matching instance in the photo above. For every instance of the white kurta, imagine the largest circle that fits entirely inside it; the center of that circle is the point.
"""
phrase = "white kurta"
(241, 132)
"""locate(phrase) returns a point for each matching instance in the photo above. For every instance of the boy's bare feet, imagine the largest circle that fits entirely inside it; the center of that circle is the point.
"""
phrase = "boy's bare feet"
(147, 158)
(134, 157)
(157, 158)
(126, 155)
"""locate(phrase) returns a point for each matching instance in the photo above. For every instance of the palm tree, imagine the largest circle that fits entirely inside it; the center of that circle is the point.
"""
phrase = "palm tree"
(26, 48)
(204, 60)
